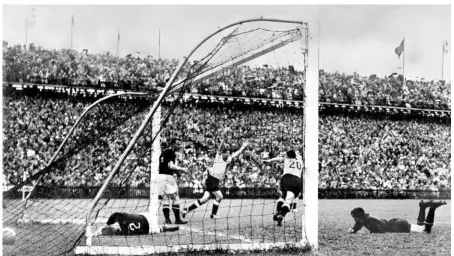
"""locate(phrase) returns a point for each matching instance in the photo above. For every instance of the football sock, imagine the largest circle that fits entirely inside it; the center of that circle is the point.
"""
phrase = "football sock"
(285, 209)
(421, 216)
(279, 204)
(166, 211)
(430, 220)
(195, 205)
(169, 228)
(293, 206)
(176, 212)
(216, 203)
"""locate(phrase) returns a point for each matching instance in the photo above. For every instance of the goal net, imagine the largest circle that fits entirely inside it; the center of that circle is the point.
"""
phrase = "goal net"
(251, 77)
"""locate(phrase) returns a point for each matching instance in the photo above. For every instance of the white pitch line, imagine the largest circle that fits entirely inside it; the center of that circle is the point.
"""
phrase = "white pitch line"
(216, 234)
(104, 220)
(59, 221)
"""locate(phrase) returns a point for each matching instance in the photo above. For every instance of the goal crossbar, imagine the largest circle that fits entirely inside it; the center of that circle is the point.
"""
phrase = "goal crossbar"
(170, 87)
(233, 63)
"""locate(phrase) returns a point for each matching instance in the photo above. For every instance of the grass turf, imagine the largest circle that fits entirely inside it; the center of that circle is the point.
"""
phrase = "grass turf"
(243, 221)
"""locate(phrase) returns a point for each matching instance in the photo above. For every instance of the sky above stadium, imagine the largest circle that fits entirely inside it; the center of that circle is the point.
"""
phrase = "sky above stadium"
(353, 38)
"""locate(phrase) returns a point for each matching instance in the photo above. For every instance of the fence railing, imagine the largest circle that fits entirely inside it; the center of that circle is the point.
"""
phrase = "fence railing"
(46, 192)
(426, 109)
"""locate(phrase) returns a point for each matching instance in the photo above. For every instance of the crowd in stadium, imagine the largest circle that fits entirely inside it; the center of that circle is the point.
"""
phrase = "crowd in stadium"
(358, 151)
(70, 67)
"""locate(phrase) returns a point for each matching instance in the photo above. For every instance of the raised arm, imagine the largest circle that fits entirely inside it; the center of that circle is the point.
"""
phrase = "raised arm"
(276, 159)
(245, 144)
(221, 146)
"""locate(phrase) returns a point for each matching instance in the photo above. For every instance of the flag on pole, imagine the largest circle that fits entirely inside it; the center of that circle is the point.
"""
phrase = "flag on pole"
(445, 47)
(72, 20)
(118, 39)
(400, 49)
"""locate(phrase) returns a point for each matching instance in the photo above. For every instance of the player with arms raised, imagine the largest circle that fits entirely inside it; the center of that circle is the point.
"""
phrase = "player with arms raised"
(216, 174)
(167, 183)
(290, 185)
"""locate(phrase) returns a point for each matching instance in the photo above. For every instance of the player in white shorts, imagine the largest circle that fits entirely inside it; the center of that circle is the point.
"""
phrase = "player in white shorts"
(215, 175)
(291, 185)
(167, 184)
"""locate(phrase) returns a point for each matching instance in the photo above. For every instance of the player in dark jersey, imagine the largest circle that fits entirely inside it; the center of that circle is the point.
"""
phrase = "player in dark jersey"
(215, 175)
(376, 225)
(167, 183)
(291, 185)
(126, 224)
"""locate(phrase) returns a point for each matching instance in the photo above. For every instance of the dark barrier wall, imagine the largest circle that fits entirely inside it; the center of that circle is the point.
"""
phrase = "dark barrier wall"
(234, 193)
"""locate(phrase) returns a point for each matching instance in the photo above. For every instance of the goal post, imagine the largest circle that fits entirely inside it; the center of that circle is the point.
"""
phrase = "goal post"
(154, 168)
(226, 55)
(117, 142)
(310, 223)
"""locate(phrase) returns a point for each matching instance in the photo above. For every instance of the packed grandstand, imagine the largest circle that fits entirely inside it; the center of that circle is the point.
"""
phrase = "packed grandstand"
(357, 149)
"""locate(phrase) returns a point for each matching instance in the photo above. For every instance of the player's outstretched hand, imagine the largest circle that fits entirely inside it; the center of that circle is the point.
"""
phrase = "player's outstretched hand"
(98, 232)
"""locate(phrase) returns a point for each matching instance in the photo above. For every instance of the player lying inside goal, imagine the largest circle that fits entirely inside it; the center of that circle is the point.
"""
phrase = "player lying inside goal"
(290, 185)
(376, 225)
(126, 224)
(216, 174)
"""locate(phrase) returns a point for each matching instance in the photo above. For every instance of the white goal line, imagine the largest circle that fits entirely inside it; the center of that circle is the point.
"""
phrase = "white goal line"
(104, 220)
(58, 221)
(147, 250)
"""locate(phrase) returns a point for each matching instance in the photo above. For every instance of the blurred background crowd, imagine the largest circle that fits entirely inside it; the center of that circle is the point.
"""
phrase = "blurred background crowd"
(357, 150)
(103, 70)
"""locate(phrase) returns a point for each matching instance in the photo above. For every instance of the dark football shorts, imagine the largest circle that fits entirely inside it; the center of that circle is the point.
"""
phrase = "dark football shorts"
(212, 184)
(291, 183)
(398, 226)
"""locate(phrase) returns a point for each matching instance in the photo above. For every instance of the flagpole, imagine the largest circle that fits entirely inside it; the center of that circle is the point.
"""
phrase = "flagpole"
(118, 42)
(159, 44)
(72, 23)
(403, 65)
(442, 58)
(26, 30)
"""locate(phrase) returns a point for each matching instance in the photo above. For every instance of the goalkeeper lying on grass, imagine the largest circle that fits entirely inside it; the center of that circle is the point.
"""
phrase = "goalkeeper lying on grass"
(376, 225)
(126, 224)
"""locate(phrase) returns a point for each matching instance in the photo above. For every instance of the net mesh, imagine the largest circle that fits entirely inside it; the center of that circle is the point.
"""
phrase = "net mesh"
(264, 55)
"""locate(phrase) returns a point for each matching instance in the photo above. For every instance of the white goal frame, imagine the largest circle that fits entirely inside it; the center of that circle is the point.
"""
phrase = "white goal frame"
(310, 191)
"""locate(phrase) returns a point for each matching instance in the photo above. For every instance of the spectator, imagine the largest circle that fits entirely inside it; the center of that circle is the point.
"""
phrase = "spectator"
(70, 67)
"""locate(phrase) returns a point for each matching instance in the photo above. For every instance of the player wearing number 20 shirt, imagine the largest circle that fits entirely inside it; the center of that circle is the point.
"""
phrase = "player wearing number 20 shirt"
(290, 185)
(291, 179)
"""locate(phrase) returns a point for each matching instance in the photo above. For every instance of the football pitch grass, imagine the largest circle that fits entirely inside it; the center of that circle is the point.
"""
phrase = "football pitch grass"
(248, 221)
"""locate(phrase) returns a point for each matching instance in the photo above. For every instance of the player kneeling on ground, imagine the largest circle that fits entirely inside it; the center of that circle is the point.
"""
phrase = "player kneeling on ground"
(126, 224)
(375, 225)
(217, 173)
(291, 184)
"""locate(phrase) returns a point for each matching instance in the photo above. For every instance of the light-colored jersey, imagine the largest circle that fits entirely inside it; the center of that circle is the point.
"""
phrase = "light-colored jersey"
(293, 166)
(219, 166)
